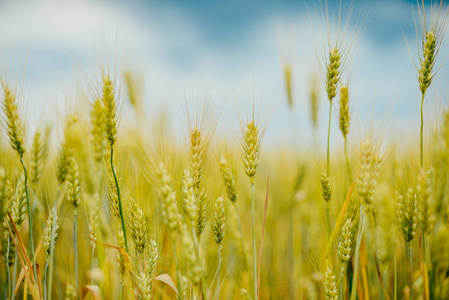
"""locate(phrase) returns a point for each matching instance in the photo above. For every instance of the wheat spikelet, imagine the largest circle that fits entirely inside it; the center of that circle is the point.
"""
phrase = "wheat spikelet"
(251, 149)
(288, 84)
(314, 104)
(332, 71)
(197, 149)
(73, 184)
(98, 132)
(228, 180)
(138, 226)
(344, 115)
(369, 164)
(70, 292)
(37, 155)
(399, 210)
(110, 110)
(326, 188)
(13, 122)
(18, 206)
(7, 244)
(426, 217)
(219, 221)
(49, 237)
(202, 214)
(3, 192)
(431, 40)
(63, 162)
(427, 61)
(94, 219)
(171, 215)
(409, 216)
(329, 285)
(385, 232)
(345, 243)
(188, 193)
(147, 276)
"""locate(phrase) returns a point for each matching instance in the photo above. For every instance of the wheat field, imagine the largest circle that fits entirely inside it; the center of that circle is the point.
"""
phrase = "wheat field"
(93, 206)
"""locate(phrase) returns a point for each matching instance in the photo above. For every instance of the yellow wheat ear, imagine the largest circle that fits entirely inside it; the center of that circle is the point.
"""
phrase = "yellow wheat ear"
(110, 110)
(251, 149)
(13, 123)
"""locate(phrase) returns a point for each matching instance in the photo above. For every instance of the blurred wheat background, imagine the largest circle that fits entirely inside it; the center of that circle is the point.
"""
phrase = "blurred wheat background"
(229, 150)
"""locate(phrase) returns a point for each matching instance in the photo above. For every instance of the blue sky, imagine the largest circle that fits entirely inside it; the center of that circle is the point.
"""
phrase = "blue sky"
(230, 48)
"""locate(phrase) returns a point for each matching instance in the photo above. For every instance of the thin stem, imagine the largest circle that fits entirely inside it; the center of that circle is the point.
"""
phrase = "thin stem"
(218, 272)
(119, 201)
(411, 271)
(328, 137)
(75, 245)
(357, 250)
(254, 241)
(203, 281)
(52, 245)
(8, 271)
(421, 136)
(424, 247)
(30, 220)
(45, 280)
(342, 278)
(328, 221)
(93, 264)
(14, 277)
(395, 289)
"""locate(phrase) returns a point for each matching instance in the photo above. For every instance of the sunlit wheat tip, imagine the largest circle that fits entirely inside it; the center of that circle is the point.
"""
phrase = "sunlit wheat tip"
(251, 149)
(14, 126)
(333, 73)
(110, 110)
(197, 148)
(427, 62)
